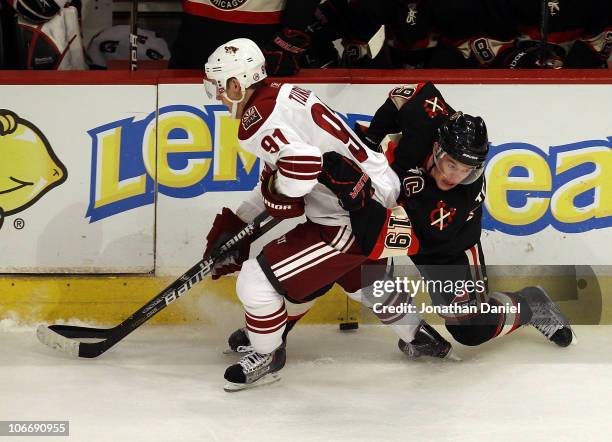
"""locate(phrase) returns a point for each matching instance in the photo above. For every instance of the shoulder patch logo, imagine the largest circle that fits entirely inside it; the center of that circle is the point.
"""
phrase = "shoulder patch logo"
(250, 117)
(434, 106)
(404, 92)
(412, 14)
(553, 7)
(414, 182)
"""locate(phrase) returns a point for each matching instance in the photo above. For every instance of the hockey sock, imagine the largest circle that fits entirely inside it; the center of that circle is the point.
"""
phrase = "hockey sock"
(266, 331)
(392, 311)
(508, 322)
(294, 313)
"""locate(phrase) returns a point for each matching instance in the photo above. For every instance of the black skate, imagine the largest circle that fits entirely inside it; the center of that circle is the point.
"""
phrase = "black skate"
(428, 342)
(239, 342)
(547, 316)
(255, 369)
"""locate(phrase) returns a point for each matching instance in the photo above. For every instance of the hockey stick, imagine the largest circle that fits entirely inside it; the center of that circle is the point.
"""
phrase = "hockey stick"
(61, 337)
(134, 36)
(543, 29)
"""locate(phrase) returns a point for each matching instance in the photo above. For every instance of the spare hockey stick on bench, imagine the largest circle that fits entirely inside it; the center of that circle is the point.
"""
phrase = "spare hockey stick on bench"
(134, 36)
(62, 337)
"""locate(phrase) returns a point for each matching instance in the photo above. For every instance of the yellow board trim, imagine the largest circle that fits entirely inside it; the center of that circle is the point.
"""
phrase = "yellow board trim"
(111, 299)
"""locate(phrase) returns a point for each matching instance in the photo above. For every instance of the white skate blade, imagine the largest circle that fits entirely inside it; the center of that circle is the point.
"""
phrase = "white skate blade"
(450, 356)
(574, 338)
(270, 378)
(240, 351)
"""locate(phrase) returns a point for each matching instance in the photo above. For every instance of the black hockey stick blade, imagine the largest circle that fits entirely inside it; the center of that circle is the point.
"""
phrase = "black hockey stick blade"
(71, 331)
(64, 337)
(66, 344)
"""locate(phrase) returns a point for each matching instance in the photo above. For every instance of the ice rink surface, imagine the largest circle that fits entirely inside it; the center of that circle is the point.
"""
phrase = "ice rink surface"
(165, 384)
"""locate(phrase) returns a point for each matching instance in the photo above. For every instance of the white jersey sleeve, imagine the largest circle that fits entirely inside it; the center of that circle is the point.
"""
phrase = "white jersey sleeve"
(298, 166)
(291, 129)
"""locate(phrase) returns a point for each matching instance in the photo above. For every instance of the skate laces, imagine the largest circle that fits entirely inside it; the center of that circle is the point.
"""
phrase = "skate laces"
(244, 348)
(253, 361)
(546, 319)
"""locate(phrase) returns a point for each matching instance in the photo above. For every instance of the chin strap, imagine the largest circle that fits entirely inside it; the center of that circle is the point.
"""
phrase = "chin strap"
(235, 103)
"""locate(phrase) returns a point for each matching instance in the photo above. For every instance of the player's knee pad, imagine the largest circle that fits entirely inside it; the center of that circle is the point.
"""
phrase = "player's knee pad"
(255, 291)
(472, 332)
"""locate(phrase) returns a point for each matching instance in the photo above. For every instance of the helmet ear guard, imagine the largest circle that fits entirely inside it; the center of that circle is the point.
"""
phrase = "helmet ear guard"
(241, 59)
(465, 139)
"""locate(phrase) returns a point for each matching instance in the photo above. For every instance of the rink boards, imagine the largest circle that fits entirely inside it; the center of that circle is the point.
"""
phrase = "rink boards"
(129, 172)
(110, 299)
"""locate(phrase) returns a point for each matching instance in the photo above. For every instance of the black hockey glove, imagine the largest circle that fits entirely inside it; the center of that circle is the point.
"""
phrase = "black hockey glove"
(279, 206)
(226, 225)
(284, 51)
(323, 30)
(530, 54)
(343, 177)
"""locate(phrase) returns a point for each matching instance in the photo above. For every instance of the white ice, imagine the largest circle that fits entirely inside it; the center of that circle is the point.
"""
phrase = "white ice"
(164, 383)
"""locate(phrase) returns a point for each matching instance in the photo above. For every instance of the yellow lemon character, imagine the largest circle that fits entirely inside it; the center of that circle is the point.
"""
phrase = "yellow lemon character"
(28, 166)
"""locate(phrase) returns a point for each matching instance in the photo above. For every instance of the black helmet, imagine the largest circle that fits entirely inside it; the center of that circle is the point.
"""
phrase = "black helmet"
(465, 139)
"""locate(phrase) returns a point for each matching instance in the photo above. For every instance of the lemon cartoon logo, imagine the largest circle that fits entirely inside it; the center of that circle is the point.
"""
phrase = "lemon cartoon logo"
(28, 166)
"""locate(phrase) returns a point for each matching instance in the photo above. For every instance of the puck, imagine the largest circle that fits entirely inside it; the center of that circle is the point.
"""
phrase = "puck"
(349, 326)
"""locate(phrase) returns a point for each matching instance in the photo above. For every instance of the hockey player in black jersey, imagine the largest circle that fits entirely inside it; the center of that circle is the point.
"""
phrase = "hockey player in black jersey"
(440, 161)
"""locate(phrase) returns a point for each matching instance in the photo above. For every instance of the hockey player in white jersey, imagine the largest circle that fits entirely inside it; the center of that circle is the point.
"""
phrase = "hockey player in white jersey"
(290, 129)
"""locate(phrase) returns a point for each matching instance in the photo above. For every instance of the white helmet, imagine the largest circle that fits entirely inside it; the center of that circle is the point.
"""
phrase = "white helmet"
(240, 58)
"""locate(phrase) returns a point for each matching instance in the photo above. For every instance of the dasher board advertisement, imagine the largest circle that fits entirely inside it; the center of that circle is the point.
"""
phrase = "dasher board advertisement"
(65, 169)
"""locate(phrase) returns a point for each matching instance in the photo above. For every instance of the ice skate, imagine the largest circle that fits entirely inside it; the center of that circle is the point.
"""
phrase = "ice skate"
(428, 342)
(239, 342)
(255, 369)
(547, 317)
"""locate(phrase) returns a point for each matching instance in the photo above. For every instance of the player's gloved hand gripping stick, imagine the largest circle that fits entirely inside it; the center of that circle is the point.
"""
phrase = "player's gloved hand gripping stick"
(63, 337)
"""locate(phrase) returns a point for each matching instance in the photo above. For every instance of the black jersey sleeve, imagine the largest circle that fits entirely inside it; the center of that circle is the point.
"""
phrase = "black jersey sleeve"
(382, 232)
(385, 122)
(419, 119)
